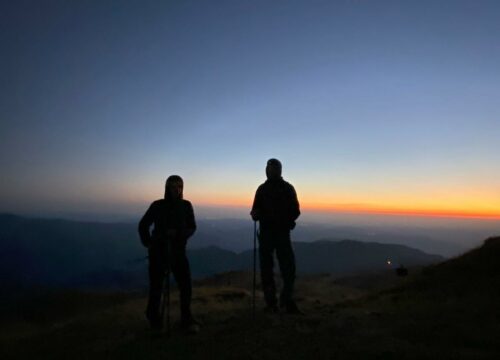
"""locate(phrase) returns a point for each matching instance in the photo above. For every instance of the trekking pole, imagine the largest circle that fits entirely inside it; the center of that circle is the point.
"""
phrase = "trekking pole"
(254, 266)
(168, 286)
(166, 291)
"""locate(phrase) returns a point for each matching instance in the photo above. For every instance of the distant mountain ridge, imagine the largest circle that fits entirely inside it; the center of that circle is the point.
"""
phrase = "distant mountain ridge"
(98, 255)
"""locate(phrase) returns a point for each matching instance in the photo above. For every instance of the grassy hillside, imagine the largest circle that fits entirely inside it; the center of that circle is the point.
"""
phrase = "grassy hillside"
(446, 311)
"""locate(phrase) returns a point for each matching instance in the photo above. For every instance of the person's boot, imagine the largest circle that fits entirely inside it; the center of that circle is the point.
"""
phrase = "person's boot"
(271, 303)
(271, 300)
(271, 309)
(190, 325)
(292, 308)
(155, 321)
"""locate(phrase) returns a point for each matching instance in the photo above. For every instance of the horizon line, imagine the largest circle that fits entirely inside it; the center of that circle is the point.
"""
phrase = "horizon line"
(379, 210)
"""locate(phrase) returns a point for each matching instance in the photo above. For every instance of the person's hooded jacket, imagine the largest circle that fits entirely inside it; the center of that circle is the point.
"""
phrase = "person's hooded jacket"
(167, 214)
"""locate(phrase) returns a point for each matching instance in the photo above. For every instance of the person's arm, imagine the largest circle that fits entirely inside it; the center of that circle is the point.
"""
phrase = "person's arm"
(294, 207)
(144, 225)
(190, 221)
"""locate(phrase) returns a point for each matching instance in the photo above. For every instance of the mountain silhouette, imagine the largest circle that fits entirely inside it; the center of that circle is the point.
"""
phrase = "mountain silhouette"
(86, 255)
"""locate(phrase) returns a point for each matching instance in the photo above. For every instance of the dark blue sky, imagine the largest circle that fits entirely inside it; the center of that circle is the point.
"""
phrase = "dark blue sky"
(369, 104)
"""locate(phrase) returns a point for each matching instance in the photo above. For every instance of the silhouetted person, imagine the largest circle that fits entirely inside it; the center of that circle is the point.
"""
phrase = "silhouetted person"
(174, 223)
(276, 208)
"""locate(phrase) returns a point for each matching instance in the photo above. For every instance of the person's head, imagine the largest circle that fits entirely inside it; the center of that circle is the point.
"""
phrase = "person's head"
(174, 187)
(273, 169)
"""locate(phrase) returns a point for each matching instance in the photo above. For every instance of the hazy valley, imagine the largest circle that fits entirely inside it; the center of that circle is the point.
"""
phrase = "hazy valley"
(85, 255)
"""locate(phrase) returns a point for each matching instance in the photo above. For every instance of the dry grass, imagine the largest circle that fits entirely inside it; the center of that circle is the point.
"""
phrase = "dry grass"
(433, 315)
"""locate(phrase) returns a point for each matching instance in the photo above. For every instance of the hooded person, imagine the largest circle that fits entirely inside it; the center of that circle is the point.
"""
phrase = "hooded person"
(276, 207)
(174, 222)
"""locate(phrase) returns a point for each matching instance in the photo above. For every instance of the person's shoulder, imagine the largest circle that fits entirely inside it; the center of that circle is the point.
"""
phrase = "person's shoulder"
(288, 185)
(262, 186)
(157, 204)
(187, 203)
(155, 207)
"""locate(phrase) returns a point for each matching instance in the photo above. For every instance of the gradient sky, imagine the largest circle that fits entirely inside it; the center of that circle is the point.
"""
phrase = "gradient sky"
(372, 106)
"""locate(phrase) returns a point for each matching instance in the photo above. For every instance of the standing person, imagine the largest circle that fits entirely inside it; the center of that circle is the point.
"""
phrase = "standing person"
(174, 223)
(276, 207)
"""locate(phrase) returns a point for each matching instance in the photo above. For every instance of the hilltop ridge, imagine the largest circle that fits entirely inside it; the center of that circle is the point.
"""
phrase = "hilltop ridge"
(446, 311)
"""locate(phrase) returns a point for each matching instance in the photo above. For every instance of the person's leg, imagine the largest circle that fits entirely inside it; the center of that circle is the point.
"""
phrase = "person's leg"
(182, 275)
(286, 260)
(266, 249)
(156, 271)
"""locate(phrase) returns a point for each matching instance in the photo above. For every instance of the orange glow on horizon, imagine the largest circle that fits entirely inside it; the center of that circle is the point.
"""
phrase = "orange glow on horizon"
(402, 211)
(468, 204)
(369, 209)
